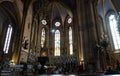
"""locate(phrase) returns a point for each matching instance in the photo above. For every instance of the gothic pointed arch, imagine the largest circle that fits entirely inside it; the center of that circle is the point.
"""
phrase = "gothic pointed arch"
(9, 22)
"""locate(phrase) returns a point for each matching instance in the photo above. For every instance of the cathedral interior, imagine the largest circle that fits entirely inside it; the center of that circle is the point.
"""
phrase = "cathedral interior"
(69, 33)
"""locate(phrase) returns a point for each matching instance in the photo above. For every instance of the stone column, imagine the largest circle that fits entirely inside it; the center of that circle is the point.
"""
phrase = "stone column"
(88, 32)
(78, 30)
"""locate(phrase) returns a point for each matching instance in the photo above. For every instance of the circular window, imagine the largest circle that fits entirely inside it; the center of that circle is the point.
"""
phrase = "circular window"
(69, 20)
(44, 22)
(57, 24)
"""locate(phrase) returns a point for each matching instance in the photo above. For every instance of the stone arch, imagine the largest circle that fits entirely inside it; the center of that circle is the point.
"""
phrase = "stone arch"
(6, 0)
(10, 9)
(9, 15)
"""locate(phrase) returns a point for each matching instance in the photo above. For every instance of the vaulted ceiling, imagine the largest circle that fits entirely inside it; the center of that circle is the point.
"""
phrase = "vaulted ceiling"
(54, 9)
(8, 11)
(103, 6)
(106, 5)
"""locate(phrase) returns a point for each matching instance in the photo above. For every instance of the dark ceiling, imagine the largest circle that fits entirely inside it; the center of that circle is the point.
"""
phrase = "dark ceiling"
(7, 11)
(70, 4)
(106, 5)
(103, 5)
(54, 9)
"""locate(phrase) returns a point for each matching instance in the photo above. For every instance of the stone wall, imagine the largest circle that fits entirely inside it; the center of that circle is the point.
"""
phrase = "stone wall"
(117, 55)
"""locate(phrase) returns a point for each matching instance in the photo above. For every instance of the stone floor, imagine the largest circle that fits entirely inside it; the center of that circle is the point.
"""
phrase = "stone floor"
(8, 73)
(58, 75)
(13, 73)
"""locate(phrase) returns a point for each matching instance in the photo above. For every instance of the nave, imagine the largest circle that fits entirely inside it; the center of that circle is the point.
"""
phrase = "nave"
(77, 36)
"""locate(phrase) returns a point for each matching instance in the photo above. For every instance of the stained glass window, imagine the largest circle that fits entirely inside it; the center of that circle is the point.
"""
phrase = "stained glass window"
(43, 37)
(114, 31)
(70, 41)
(57, 43)
(57, 24)
(44, 22)
(8, 38)
(69, 20)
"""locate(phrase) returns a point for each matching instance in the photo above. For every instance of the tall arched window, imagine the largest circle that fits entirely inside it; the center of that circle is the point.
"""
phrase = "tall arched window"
(43, 37)
(57, 43)
(70, 41)
(114, 31)
(8, 38)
